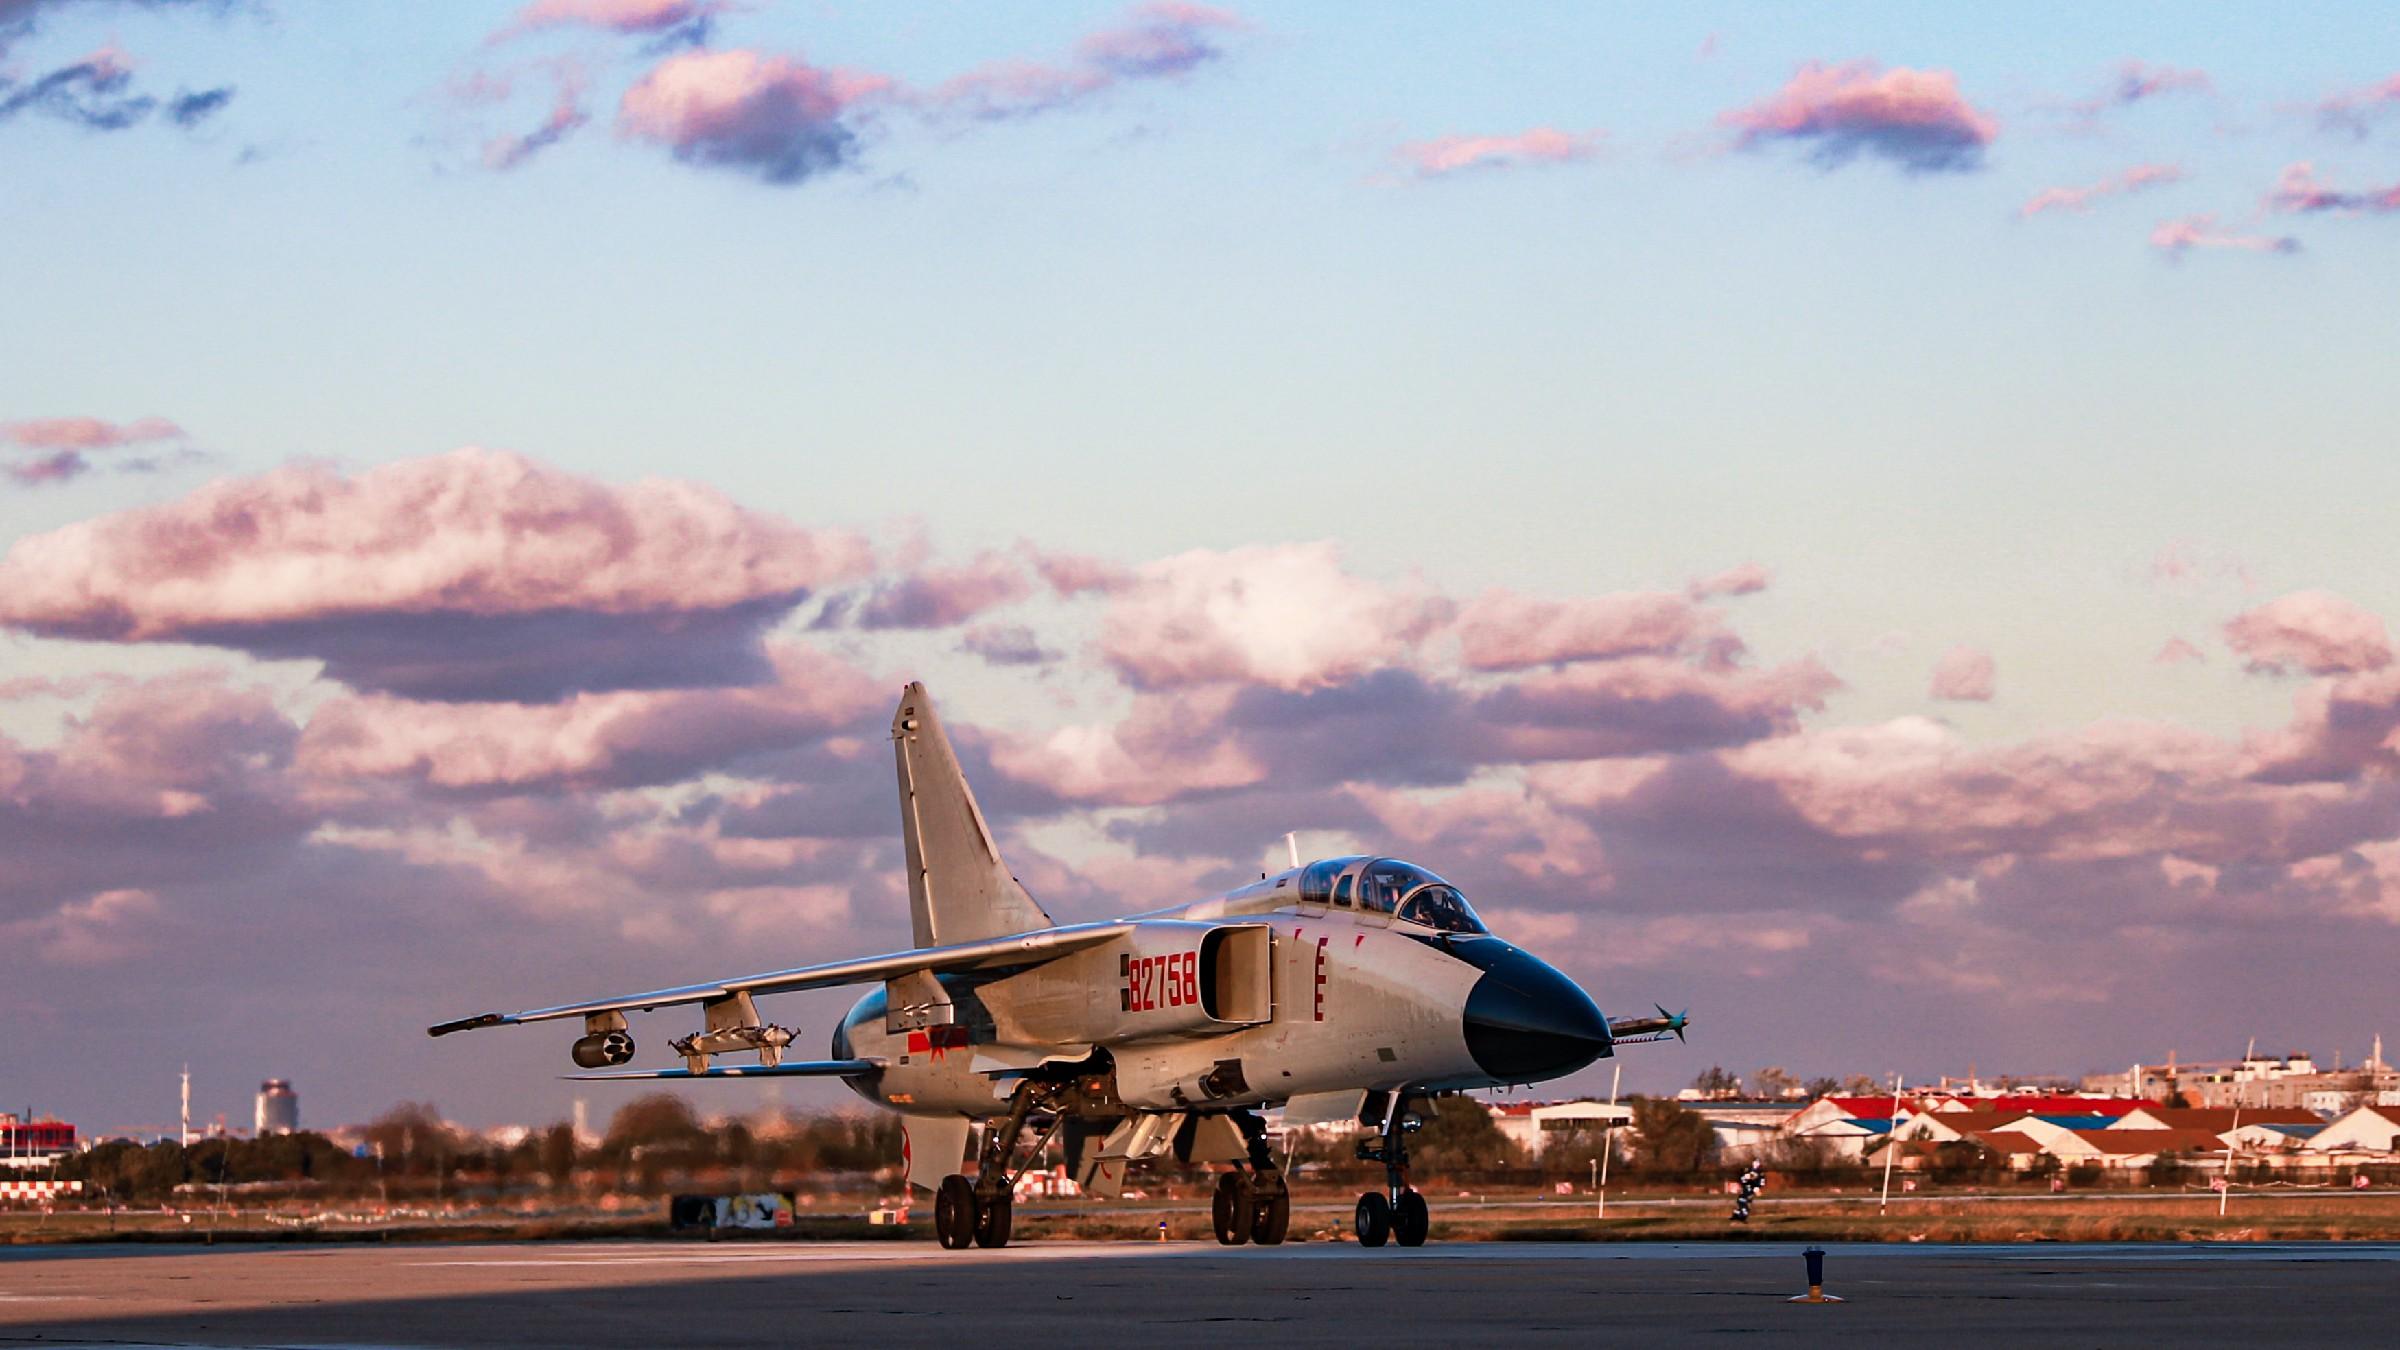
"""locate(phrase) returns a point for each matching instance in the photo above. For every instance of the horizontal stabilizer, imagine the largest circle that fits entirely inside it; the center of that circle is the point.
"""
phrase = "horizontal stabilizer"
(811, 1068)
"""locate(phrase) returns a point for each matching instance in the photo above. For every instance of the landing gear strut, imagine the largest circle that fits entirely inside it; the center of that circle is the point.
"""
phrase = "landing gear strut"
(981, 1211)
(1253, 1206)
(1396, 1212)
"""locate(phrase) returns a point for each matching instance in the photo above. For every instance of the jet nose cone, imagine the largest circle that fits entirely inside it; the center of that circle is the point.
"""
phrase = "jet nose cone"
(1525, 1021)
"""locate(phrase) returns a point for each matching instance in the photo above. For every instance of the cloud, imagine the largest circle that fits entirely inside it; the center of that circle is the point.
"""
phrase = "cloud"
(101, 930)
(1744, 579)
(2312, 631)
(90, 93)
(2178, 652)
(943, 597)
(1963, 675)
(59, 466)
(608, 740)
(774, 117)
(1282, 615)
(1447, 155)
(1501, 630)
(2178, 237)
(1152, 41)
(2137, 82)
(95, 93)
(20, 18)
(2132, 180)
(1007, 645)
(2299, 192)
(190, 109)
(87, 433)
(1917, 119)
(671, 18)
(1073, 574)
(70, 443)
(565, 118)
(2356, 110)
(476, 574)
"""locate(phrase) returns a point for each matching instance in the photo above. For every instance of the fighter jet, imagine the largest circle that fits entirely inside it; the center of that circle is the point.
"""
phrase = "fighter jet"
(1348, 991)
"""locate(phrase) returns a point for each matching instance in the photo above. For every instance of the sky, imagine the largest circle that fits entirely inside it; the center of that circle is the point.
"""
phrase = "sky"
(1871, 526)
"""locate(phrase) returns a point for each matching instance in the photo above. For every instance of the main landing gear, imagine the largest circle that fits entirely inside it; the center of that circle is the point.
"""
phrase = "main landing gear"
(981, 1211)
(1253, 1206)
(1397, 1212)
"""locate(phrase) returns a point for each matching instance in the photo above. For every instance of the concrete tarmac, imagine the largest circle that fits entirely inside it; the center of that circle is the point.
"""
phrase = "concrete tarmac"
(607, 1294)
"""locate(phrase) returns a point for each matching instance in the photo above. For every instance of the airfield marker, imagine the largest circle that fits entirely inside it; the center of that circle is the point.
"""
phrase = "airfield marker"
(1815, 1256)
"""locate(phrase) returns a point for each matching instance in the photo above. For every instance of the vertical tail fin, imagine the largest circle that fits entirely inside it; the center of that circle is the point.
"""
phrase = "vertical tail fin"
(959, 889)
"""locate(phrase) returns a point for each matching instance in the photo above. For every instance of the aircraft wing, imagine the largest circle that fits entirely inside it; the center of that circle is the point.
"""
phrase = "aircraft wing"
(814, 1068)
(1018, 949)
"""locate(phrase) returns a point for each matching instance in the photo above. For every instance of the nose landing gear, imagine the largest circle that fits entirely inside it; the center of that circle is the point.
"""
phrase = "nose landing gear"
(1397, 1212)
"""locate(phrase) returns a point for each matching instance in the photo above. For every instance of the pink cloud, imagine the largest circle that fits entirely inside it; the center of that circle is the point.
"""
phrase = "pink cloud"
(1915, 118)
(1284, 615)
(1745, 579)
(1963, 675)
(772, 116)
(566, 117)
(1641, 705)
(2137, 81)
(1160, 38)
(610, 740)
(941, 597)
(2312, 631)
(1073, 574)
(629, 17)
(1501, 630)
(2298, 191)
(2132, 180)
(57, 467)
(87, 433)
(1446, 155)
(1152, 41)
(2178, 237)
(2178, 652)
(468, 574)
(2353, 110)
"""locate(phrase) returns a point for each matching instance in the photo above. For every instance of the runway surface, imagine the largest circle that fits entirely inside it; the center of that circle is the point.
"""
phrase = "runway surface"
(605, 1294)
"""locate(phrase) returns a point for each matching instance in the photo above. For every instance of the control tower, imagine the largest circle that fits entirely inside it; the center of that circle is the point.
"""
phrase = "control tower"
(278, 1108)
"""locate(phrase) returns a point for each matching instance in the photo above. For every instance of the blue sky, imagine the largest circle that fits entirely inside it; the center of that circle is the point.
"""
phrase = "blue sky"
(1211, 309)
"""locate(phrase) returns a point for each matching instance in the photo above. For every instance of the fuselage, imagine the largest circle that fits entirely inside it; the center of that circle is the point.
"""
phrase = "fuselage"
(1347, 974)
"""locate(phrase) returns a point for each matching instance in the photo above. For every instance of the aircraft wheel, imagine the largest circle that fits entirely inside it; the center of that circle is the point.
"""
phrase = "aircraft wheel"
(1271, 1219)
(1229, 1209)
(1373, 1219)
(954, 1212)
(994, 1219)
(1410, 1221)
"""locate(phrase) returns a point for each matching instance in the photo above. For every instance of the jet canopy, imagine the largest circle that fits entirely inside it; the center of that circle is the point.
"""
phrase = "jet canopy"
(1389, 886)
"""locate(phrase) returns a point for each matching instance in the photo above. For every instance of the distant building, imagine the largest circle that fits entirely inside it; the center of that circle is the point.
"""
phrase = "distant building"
(28, 1144)
(2256, 1080)
(278, 1108)
(1533, 1126)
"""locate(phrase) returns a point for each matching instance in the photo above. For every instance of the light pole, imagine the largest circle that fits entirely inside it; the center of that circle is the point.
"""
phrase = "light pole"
(1608, 1144)
(1891, 1147)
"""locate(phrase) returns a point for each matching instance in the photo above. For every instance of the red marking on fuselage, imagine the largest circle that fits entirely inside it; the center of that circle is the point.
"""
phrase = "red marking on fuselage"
(936, 1040)
(1320, 989)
